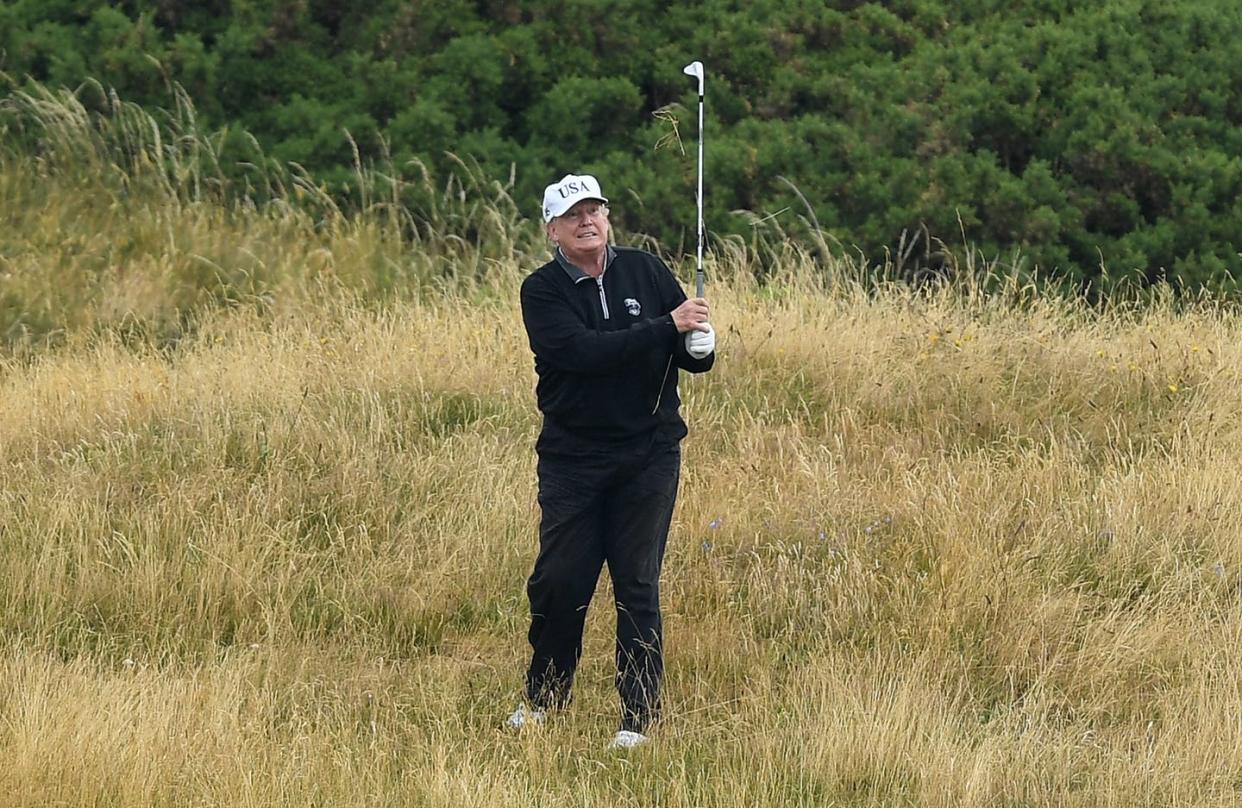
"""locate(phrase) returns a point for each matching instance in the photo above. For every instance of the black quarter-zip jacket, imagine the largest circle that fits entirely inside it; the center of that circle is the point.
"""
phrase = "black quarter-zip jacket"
(606, 352)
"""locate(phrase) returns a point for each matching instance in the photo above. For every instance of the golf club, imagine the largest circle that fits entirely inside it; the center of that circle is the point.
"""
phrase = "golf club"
(695, 69)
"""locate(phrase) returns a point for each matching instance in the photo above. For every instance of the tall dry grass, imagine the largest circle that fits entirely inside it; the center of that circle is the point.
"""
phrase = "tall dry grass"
(264, 532)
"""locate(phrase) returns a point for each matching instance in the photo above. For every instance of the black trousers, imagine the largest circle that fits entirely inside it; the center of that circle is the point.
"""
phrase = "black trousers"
(602, 508)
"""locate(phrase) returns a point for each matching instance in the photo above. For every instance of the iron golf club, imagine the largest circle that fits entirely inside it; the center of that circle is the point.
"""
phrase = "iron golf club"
(695, 69)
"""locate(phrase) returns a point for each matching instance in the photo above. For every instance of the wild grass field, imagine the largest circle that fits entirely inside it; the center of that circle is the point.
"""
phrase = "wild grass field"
(267, 508)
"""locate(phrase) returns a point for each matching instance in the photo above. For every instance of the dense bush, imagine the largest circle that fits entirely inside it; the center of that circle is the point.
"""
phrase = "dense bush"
(1079, 135)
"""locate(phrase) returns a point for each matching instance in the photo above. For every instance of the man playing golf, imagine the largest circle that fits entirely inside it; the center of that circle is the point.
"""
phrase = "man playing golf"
(611, 329)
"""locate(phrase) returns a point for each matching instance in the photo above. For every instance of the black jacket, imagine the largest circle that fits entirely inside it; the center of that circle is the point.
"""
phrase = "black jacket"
(606, 352)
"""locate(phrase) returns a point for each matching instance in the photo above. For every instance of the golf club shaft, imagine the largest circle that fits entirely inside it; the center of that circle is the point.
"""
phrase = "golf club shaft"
(698, 278)
(695, 70)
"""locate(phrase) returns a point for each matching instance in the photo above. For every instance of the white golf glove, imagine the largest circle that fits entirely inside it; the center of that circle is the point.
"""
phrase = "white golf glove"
(700, 343)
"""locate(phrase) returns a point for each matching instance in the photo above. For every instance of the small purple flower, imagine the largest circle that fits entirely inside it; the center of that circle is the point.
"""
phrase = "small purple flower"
(707, 546)
(716, 523)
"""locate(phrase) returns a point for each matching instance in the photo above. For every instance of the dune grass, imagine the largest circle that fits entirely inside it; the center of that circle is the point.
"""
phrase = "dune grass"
(267, 509)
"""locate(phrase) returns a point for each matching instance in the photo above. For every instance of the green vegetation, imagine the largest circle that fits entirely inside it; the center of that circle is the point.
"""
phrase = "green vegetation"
(1095, 141)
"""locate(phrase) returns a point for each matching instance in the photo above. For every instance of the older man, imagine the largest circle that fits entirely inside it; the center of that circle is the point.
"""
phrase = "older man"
(610, 329)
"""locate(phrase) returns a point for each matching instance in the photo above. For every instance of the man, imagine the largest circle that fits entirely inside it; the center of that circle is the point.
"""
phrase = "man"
(610, 329)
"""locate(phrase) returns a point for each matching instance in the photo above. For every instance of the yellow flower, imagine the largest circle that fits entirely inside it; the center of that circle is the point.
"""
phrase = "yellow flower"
(1173, 388)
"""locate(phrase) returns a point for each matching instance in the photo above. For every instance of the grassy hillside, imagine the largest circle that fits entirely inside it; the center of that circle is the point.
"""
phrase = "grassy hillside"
(267, 506)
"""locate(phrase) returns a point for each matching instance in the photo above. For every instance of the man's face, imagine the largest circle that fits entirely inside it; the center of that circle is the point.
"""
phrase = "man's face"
(583, 228)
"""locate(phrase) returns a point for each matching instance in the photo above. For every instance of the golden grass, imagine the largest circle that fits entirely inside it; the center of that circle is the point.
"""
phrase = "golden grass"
(265, 544)
(284, 563)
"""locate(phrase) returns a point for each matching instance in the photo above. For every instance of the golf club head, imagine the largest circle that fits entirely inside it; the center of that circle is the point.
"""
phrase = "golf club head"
(695, 69)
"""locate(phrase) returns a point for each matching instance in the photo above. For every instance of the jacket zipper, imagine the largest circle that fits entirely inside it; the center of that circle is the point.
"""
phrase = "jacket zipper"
(663, 379)
(603, 301)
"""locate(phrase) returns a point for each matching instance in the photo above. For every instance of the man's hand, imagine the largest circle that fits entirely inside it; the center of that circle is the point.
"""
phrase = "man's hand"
(700, 343)
(691, 316)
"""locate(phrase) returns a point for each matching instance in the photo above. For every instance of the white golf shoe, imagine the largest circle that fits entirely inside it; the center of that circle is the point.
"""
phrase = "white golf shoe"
(625, 739)
(524, 716)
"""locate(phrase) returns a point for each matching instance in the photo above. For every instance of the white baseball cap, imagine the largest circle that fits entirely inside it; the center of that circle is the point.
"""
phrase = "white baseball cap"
(569, 190)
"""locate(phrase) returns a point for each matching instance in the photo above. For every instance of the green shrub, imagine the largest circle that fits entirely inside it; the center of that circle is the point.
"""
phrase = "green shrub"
(1098, 140)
